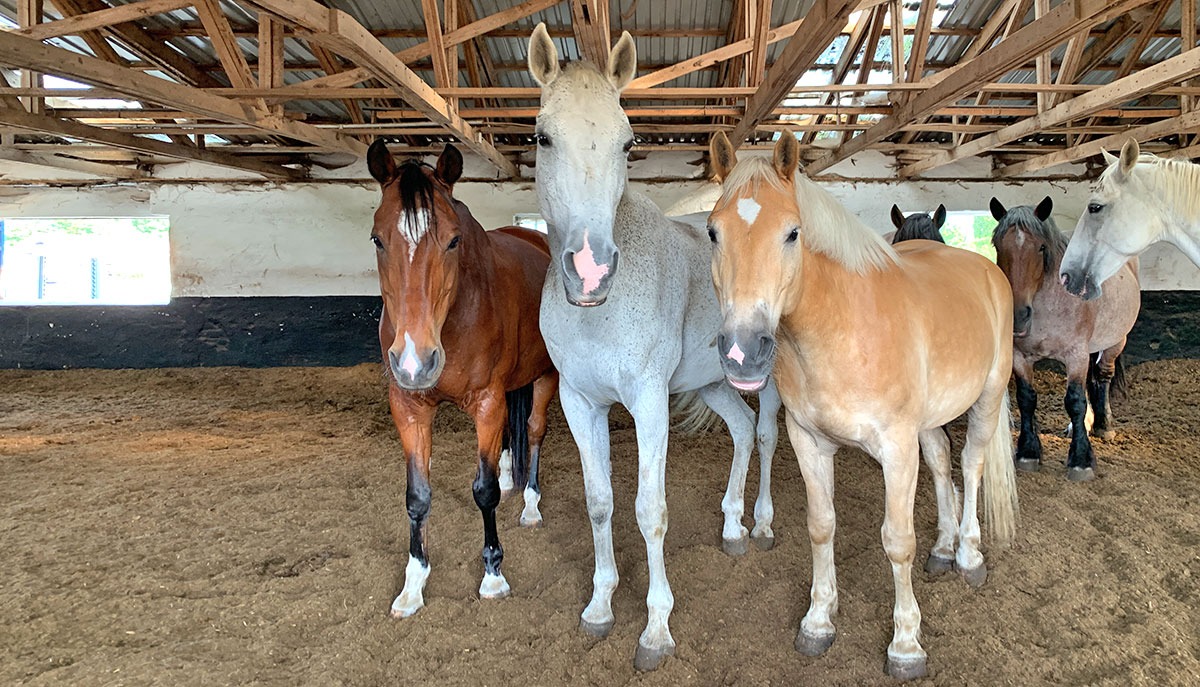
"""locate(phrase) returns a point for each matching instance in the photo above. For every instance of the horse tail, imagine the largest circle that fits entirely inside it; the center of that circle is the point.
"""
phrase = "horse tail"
(692, 415)
(1000, 507)
(520, 406)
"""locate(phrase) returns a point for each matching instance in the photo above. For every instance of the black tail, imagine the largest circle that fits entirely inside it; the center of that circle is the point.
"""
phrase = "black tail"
(516, 435)
(1117, 386)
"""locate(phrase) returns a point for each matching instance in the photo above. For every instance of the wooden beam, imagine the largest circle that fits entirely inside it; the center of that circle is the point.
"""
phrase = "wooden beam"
(1187, 37)
(758, 35)
(1069, 69)
(916, 61)
(990, 29)
(71, 164)
(1042, 69)
(29, 14)
(1104, 46)
(896, 19)
(437, 50)
(351, 77)
(329, 65)
(1069, 17)
(80, 23)
(26, 52)
(345, 36)
(1184, 123)
(589, 20)
(708, 59)
(1123, 90)
(450, 22)
(70, 129)
(270, 53)
(820, 26)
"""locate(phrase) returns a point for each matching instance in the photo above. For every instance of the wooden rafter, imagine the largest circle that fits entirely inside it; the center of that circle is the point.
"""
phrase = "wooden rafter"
(710, 58)
(758, 30)
(29, 15)
(81, 23)
(589, 21)
(821, 25)
(70, 164)
(437, 49)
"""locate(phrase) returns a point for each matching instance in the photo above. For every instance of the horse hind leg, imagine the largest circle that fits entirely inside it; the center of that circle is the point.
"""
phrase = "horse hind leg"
(768, 435)
(738, 417)
(543, 392)
(935, 449)
(1102, 369)
(1081, 459)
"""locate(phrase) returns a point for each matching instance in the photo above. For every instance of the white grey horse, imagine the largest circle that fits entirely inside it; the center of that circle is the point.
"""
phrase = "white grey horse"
(630, 316)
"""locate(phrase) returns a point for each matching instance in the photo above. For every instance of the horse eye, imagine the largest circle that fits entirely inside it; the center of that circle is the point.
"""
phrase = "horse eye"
(1042, 248)
(375, 240)
(543, 140)
(1093, 208)
(453, 243)
(791, 238)
(629, 145)
(712, 234)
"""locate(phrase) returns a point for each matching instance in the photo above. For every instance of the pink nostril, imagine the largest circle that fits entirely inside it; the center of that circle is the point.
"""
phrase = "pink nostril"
(735, 354)
(586, 267)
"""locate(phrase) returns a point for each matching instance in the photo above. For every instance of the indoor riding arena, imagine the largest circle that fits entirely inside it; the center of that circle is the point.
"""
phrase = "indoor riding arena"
(331, 329)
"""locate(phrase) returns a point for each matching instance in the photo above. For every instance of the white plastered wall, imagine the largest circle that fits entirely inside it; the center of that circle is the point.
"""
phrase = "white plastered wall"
(232, 235)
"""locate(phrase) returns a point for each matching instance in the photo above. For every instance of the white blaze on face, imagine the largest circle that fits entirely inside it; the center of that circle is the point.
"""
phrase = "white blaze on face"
(735, 354)
(747, 209)
(412, 226)
(589, 271)
(408, 359)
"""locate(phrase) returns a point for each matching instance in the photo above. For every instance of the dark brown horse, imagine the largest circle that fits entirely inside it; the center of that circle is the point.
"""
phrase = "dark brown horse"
(459, 324)
(918, 225)
(1085, 336)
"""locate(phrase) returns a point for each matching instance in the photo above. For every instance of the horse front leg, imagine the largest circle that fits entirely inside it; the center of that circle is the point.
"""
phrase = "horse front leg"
(815, 457)
(725, 402)
(1081, 460)
(652, 417)
(905, 657)
(491, 412)
(589, 426)
(543, 392)
(414, 423)
(1029, 444)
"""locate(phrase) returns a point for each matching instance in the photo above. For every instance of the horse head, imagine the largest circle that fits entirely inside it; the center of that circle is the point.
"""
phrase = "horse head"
(1028, 247)
(583, 142)
(421, 235)
(918, 225)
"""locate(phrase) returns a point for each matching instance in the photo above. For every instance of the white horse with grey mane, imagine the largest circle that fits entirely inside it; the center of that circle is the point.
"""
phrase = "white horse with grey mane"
(630, 316)
(1140, 200)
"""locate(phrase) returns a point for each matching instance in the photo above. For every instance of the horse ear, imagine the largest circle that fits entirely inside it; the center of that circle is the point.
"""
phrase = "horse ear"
(622, 62)
(787, 156)
(449, 165)
(543, 56)
(1042, 211)
(997, 208)
(1109, 158)
(721, 155)
(1129, 156)
(939, 217)
(897, 216)
(380, 162)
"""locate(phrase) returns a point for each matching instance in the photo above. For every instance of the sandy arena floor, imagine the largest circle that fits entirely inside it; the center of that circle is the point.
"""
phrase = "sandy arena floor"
(235, 526)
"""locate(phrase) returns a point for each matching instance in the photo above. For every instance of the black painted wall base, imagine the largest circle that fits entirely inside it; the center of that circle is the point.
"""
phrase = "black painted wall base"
(341, 331)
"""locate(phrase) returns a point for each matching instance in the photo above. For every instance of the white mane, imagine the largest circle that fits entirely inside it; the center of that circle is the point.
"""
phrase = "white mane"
(1175, 182)
(828, 227)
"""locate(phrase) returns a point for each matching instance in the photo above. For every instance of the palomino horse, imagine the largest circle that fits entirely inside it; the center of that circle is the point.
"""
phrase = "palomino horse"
(865, 357)
(1050, 323)
(459, 324)
(1138, 201)
(918, 225)
(649, 332)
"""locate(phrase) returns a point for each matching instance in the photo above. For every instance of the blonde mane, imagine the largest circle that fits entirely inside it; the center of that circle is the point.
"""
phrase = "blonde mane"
(1175, 182)
(827, 227)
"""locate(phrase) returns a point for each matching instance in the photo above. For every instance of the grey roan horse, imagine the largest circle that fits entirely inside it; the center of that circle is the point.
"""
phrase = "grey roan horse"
(1086, 336)
(648, 330)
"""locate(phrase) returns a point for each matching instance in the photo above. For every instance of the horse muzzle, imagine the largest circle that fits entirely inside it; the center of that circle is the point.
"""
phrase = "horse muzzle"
(1080, 283)
(414, 372)
(746, 358)
(588, 277)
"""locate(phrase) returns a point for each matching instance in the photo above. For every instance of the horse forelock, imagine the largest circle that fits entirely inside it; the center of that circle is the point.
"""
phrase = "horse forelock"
(417, 214)
(827, 226)
(1175, 182)
(1024, 218)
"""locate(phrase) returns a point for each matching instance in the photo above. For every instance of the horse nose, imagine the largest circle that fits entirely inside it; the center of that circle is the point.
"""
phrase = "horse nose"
(1021, 316)
(746, 358)
(413, 373)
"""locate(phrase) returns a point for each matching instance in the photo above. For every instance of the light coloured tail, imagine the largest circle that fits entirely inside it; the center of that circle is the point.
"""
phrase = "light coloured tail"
(1000, 507)
(691, 414)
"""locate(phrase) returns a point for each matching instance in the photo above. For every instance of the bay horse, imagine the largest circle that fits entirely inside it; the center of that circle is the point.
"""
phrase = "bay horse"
(633, 332)
(864, 357)
(459, 325)
(918, 225)
(1087, 337)
(1139, 200)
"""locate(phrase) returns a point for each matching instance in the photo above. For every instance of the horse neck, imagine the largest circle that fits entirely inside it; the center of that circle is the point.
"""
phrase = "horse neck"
(821, 294)
(477, 268)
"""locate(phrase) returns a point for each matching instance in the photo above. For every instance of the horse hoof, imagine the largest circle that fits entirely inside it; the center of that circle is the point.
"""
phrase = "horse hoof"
(813, 646)
(906, 668)
(735, 547)
(645, 658)
(1029, 464)
(974, 576)
(763, 543)
(532, 523)
(1105, 434)
(600, 630)
(936, 565)
(493, 587)
(1081, 474)
(400, 611)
